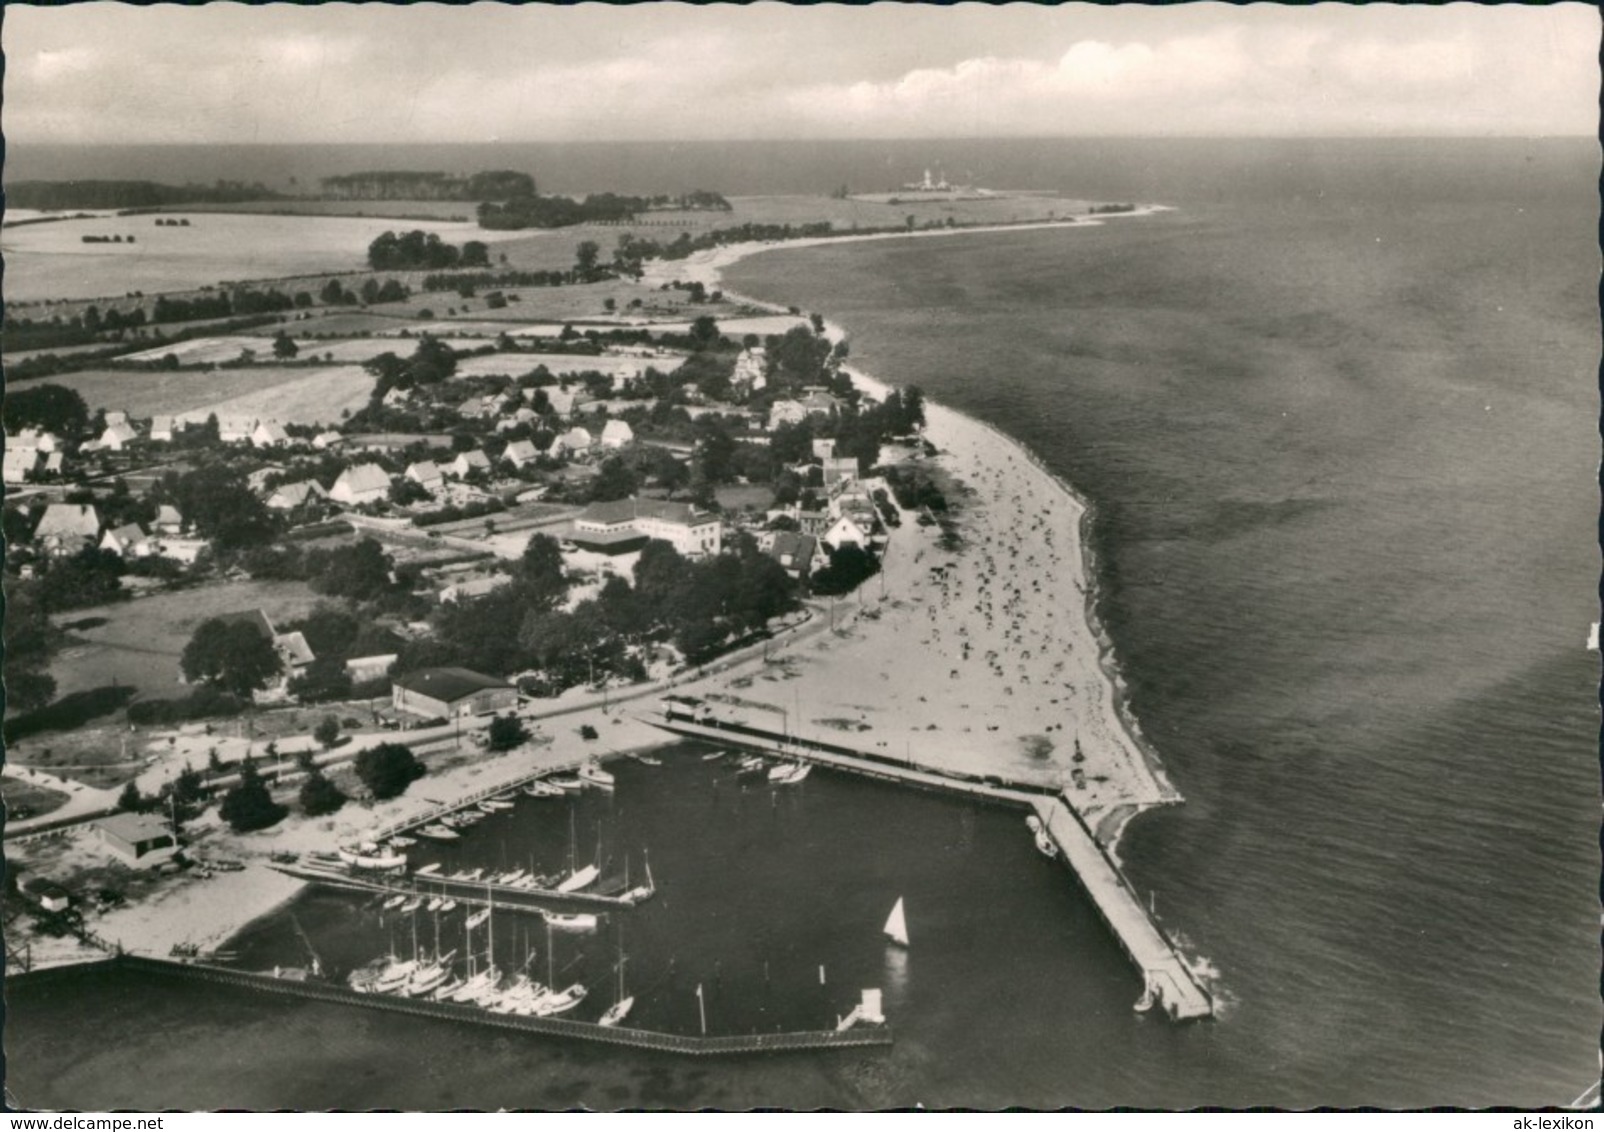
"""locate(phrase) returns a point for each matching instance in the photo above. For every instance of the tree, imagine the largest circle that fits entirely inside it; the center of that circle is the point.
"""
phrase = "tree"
(248, 805)
(849, 567)
(585, 257)
(50, 408)
(222, 507)
(131, 800)
(539, 574)
(506, 732)
(704, 332)
(284, 347)
(327, 732)
(233, 655)
(319, 796)
(388, 769)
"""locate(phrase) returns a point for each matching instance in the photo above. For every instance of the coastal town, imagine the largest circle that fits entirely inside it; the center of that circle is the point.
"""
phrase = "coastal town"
(308, 577)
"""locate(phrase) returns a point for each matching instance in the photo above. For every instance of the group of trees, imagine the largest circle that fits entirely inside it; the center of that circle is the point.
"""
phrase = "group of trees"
(29, 684)
(217, 502)
(432, 362)
(53, 196)
(50, 408)
(418, 249)
(530, 210)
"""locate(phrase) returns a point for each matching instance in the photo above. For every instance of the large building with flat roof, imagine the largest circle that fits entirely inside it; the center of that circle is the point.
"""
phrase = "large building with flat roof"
(627, 524)
(450, 693)
(137, 839)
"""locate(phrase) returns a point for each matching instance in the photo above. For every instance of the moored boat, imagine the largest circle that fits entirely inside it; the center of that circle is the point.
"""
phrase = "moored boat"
(596, 776)
(560, 1002)
(428, 870)
(1044, 840)
(579, 878)
(571, 921)
(439, 833)
(374, 858)
(567, 782)
(539, 789)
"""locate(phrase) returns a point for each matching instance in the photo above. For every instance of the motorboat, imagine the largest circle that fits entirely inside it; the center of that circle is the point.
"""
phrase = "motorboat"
(401, 842)
(439, 833)
(596, 776)
(493, 806)
(374, 858)
(649, 760)
(567, 782)
(1044, 840)
(539, 789)
(571, 921)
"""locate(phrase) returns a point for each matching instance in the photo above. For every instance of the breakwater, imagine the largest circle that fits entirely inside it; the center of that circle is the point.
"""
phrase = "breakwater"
(686, 1044)
(1169, 982)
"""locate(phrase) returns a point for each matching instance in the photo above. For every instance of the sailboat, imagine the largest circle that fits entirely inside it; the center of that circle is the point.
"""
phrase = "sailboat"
(897, 925)
(578, 878)
(641, 891)
(619, 1009)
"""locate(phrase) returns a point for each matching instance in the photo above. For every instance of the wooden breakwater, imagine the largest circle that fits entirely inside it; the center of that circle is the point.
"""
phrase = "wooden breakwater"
(620, 1036)
(1171, 983)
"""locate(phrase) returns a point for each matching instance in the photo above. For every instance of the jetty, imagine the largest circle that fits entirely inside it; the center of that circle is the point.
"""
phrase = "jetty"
(473, 893)
(317, 990)
(1167, 980)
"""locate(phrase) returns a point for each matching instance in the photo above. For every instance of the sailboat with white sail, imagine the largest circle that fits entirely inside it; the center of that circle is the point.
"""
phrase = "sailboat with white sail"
(896, 928)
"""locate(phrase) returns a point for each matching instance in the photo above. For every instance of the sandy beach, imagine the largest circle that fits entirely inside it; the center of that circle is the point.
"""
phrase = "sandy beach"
(995, 662)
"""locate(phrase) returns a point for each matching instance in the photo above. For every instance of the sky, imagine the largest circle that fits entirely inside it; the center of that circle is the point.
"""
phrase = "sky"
(278, 73)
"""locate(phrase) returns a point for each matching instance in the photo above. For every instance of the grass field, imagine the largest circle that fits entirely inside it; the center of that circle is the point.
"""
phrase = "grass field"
(51, 260)
(136, 644)
(27, 799)
(292, 395)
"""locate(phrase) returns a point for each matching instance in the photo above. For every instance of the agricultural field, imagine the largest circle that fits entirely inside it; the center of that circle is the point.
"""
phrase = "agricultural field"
(288, 394)
(51, 261)
(136, 644)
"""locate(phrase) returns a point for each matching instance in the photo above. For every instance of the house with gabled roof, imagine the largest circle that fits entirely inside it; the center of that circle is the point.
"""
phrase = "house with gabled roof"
(467, 463)
(293, 496)
(269, 434)
(426, 474)
(161, 428)
(797, 553)
(361, 483)
(66, 528)
(128, 541)
(616, 434)
(21, 464)
(520, 452)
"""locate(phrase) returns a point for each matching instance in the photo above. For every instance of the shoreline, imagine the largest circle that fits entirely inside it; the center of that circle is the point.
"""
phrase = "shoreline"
(1109, 826)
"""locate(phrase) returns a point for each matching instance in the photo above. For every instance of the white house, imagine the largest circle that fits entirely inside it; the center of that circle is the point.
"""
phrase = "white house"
(168, 520)
(128, 541)
(66, 528)
(326, 440)
(575, 440)
(117, 437)
(269, 434)
(847, 531)
(232, 430)
(290, 496)
(361, 483)
(365, 668)
(21, 464)
(616, 434)
(468, 462)
(116, 417)
(161, 428)
(426, 474)
(750, 368)
(34, 438)
(786, 412)
(520, 452)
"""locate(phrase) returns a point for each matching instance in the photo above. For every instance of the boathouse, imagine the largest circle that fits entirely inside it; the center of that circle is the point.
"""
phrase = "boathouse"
(451, 693)
(137, 839)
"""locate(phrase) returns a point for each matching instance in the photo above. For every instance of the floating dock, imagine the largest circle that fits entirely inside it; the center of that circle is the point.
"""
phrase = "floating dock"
(1171, 984)
(726, 1044)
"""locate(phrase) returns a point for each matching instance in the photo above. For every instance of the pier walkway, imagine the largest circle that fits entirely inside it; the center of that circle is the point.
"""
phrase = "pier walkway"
(1173, 986)
(726, 1044)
